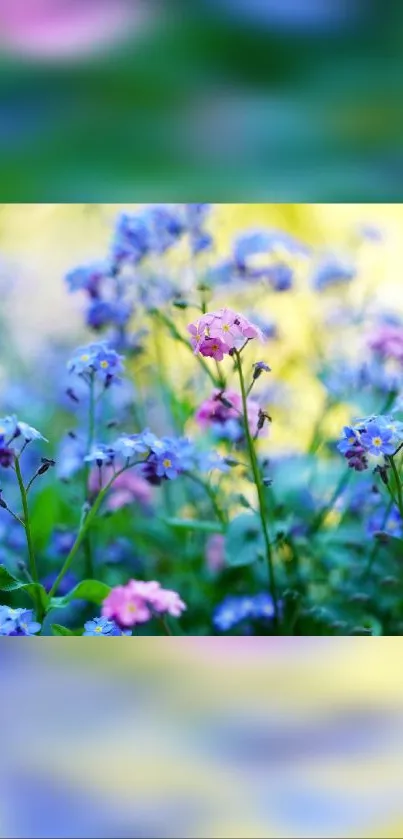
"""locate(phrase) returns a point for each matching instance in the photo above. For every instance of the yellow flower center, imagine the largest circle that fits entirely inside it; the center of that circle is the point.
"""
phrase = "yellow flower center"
(377, 441)
(104, 364)
(351, 439)
(225, 327)
(85, 357)
(167, 463)
(98, 629)
(132, 608)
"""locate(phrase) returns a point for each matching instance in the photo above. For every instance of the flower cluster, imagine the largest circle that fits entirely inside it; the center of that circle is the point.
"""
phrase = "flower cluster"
(97, 362)
(267, 255)
(103, 626)
(375, 435)
(235, 610)
(222, 412)
(112, 291)
(138, 602)
(17, 622)
(218, 333)
(162, 458)
(13, 435)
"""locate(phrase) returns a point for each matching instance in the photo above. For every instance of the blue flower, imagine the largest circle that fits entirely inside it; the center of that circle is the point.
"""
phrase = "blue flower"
(377, 439)
(235, 609)
(8, 429)
(88, 277)
(17, 622)
(101, 454)
(230, 612)
(97, 360)
(129, 445)
(165, 227)
(351, 436)
(393, 525)
(281, 277)
(131, 242)
(260, 367)
(61, 542)
(13, 432)
(332, 270)
(102, 313)
(271, 242)
(263, 607)
(165, 463)
(29, 433)
(200, 239)
(103, 626)
(152, 230)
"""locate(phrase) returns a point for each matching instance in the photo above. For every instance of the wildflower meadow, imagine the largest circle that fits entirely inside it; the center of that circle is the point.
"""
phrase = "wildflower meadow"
(216, 448)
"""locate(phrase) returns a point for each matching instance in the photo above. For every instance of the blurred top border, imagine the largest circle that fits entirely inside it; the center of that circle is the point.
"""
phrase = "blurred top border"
(207, 100)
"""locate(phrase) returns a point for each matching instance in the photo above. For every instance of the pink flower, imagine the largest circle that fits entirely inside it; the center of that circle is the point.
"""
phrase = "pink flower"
(388, 341)
(128, 488)
(198, 333)
(124, 606)
(214, 348)
(225, 326)
(138, 601)
(58, 29)
(226, 405)
(228, 328)
(215, 557)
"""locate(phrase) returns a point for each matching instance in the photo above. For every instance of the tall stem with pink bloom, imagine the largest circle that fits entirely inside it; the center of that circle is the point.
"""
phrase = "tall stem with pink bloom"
(259, 488)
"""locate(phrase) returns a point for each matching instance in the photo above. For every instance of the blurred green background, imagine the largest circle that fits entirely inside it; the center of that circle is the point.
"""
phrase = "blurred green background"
(252, 100)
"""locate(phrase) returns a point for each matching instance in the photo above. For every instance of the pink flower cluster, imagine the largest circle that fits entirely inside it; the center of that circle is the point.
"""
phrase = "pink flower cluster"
(225, 405)
(60, 29)
(128, 488)
(138, 602)
(217, 333)
(388, 341)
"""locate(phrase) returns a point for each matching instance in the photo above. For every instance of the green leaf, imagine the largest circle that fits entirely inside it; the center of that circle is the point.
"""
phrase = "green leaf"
(193, 524)
(244, 540)
(7, 581)
(34, 590)
(57, 629)
(92, 590)
(44, 514)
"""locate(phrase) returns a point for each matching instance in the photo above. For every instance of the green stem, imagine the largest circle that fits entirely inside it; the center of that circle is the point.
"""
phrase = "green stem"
(31, 553)
(398, 484)
(166, 626)
(341, 486)
(84, 530)
(178, 337)
(376, 545)
(260, 489)
(210, 492)
(317, 431)
(90, 441)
